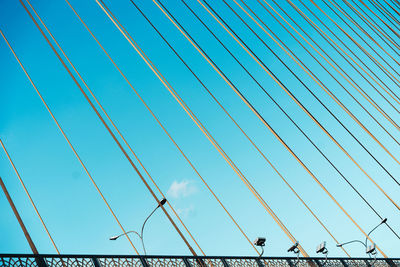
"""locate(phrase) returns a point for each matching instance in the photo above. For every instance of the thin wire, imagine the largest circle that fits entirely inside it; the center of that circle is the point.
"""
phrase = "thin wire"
(330, 41)
(233, 120)
(382, 34)
(70, 144)
(324, 35)
(288, 116)
(104, 123)
(263, 65)
(392, 19)
(193, 117)
(382, 10)
(321, 83)
(286, 146)
(25, 189)
(366, 96)
(252, 54)
(358, 89)
(251, 107)
(119, 133)
(394, 9)
(390, 74)
(164, 129)
(369, 24)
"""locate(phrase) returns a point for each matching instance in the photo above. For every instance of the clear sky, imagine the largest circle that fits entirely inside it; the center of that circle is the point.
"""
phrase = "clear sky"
(72, 209)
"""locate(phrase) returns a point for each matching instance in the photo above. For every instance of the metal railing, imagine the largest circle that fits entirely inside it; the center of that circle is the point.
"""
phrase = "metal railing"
(47, 260)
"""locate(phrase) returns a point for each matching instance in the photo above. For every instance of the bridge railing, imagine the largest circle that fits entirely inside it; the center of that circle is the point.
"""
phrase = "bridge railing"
(44, 260)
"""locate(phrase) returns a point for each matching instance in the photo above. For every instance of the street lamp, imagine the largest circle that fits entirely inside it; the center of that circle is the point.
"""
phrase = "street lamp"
(161, 203)
(294, 248)
(322, 249)
(260, 242)
(370, 250)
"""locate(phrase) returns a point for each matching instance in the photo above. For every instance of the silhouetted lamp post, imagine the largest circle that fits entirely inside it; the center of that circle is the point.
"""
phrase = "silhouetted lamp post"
(370, 250)
(162, 202)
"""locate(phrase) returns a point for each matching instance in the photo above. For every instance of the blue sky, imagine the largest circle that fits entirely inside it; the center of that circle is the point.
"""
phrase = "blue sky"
(72, 209)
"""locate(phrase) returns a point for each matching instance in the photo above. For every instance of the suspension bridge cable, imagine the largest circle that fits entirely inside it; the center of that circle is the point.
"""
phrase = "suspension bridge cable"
(358, 88)
(382, 10)
(261, 118)
(180, 28)
(331, 42)
(394, 9)
(370, 22)
(24, 186)
(288, 116)
(163, 127)
(119, 133)
(381, 6)
(363, 93)
(381, 34)
(70, 144)
(233, 120)
(292, 96)
(196, 121)
(324, 35)
(375, 61)
(108, 129)
(388, 73)
(310, 72)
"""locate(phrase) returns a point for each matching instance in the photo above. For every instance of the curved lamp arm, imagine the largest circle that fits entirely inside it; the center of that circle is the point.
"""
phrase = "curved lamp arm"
(382, 222)
(118, 236)
(353, 241)
(161, 203)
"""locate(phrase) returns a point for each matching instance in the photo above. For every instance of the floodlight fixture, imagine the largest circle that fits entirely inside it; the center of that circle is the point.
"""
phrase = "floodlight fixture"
(259, 242)
(371, 249)
(321, 248)
(294, 248)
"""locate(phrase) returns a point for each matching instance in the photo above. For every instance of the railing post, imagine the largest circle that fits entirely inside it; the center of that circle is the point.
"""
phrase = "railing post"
(290, 263)
(96, 262)
(224, 262)
(40, 261)
(390, 263)
(259, 263)
(344, 263)
(143, 261)
(187, 263)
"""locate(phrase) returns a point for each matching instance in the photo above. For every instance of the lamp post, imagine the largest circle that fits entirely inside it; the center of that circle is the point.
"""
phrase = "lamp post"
(161, 203)
(260, 242)
(370, 250)
(294, 248)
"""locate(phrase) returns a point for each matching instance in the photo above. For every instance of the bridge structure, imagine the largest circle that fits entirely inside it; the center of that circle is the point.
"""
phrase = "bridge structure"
(361, 72)
(23, 260)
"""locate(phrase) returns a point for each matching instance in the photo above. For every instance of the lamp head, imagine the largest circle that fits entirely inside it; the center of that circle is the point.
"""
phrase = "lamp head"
(339, 245)
(294, 247)
(384, 221)
(260, 241)
(371, 249)
(114, 237)
(162, 202)
(322, 248)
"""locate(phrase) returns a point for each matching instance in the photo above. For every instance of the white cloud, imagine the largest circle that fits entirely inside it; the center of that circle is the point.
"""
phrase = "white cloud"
(184, 212)
(181, 189)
